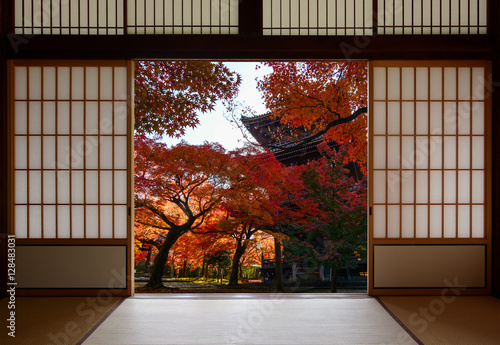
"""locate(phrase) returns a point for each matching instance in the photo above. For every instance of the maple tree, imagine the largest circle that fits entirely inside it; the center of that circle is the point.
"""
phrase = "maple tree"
(169, 95)
(327, 99)
(175, 191)
(258, 202)
(336, 237)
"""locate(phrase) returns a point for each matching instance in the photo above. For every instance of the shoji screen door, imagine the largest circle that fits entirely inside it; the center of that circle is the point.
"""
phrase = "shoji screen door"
(430, 175)
(71, 167)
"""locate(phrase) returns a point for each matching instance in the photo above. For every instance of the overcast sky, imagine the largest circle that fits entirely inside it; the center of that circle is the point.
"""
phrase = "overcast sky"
(214, 127)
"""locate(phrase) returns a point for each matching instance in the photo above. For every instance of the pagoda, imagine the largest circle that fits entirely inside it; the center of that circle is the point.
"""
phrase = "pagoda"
(290, 146)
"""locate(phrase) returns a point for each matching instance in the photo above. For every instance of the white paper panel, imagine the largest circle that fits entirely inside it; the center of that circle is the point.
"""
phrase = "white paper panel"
(436, 83)
(106, 152)
(120, 117)
(408, 152)
(35, 221)
(63, 152)
(407, 221)
(407, 83)
(436, 152)
(379, 152)
(379, 221)
(77, 83)
(77, 222)
(49, 221)
(106, 187)
(464, 221)
(422, 187)
(77, 187)
(63, 187)
(92, 152)
(393, 221)
(49, 187)
(464, 81)
(408, 118)
(393, 118)
(92, 82)
(106, 83)
(478, 152)
(421, 221)
(49, 83)
(106, 221)
(450, 152)
(393, 83)
(121, 216)
(422, 118)
(422, 78)
(478, 83)
(120, 83)
(35, 82)
(21, 153)
(450, 83)
(63, 221)
(450, 221)
(379, 117)
(63, 118)
(120, 152)
(436, 187)
(92, 222)
(63, 83)
(35, 152)
(21, 83)
(92, 187)
(21, 187)
(21, 118)
(35, 118)
(393, 186)
(478, 118)
(49, 117)
(393, 153)
(77, 118)
(77, 152)
(106, 115)
(422, 152)
(408, 187)
(436, 221)
(478, 187)
(464, 117)
(436, 118)
(121, 184)
(21, 221)
(379, 86)
(92, 118)
(464, 186)
(450, 118)
(477, 221)
(35, 187)
(450, 186)
(464, 157)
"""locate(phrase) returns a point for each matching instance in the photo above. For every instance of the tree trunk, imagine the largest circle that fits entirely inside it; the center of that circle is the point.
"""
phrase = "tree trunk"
(184, 269)
(333, 285)
(279, 266)
(233, 278)
(161, 259)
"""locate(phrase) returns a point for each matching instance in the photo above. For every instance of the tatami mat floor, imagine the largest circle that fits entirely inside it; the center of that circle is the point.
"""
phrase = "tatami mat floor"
(436, 320)
(53, 320)
(185, 319)
(262, 319)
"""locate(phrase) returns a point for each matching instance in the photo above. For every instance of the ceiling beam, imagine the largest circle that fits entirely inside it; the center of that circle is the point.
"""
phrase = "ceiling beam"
(253, 47)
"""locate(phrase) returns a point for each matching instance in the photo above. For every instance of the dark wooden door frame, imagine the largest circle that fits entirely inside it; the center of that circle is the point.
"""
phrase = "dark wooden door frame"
(249, 45)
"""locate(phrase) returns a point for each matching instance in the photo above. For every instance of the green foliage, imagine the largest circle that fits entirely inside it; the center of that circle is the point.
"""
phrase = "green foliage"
(336, 237)
(220, 259)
